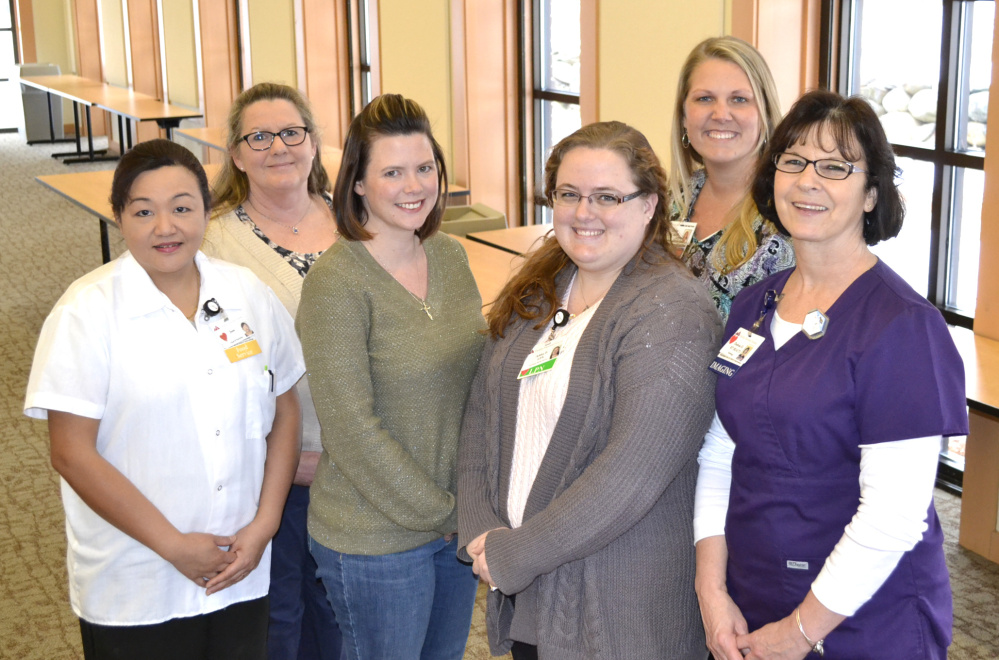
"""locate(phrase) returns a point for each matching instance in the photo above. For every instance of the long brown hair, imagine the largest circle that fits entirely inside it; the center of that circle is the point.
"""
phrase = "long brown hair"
(531, 293)
(231, 185)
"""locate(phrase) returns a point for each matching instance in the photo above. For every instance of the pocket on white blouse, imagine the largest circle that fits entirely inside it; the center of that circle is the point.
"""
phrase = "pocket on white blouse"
(260, 405)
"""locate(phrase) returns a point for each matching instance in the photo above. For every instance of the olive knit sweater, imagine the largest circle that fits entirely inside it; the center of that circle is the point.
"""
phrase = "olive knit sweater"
(389, 384)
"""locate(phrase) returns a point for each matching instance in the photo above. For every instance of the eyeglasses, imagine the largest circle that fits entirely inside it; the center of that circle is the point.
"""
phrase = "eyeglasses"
(603, 200)
(827, 168)
(262, 140)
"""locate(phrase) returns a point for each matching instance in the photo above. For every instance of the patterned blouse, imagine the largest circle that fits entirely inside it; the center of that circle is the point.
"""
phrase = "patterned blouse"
(774, 253)
(300, 261)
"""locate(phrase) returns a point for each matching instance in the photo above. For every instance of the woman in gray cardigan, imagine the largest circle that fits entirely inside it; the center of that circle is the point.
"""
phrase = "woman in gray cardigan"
(578, 454)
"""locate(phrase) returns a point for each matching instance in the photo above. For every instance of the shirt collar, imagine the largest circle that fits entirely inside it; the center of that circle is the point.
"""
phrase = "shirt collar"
(140, 296)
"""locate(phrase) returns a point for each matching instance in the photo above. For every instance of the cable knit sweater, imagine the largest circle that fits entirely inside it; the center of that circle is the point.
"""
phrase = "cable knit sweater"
(603, 565)
(390, 386)
(232, 240)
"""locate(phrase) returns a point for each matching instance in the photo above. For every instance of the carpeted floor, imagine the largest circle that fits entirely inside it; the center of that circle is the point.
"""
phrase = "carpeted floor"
(45, 244)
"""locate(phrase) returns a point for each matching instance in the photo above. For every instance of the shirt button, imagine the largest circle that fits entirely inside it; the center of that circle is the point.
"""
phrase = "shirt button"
(209, 372)
(217, 432)
(220, 487)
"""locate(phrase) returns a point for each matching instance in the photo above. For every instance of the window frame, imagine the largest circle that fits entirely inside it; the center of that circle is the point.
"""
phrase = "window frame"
(362, 40)
(533, 97)
(838, 63)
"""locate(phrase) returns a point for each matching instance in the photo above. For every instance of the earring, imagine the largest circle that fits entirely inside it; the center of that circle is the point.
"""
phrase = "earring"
(685, 141)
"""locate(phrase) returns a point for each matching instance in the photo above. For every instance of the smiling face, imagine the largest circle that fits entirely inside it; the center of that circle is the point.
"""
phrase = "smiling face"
(281, 167)
(721, 115)
(164, 221)
(600, 240)
(820, 211)
(399, 187)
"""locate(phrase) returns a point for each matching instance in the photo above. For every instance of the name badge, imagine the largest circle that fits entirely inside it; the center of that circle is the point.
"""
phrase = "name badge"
(238, 338)
(541, 359)
(685, 230)
(736, 352)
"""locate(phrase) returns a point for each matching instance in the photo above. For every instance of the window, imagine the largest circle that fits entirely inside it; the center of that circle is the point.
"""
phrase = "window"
(362, 25)
(925, 66)
(10, 90)
(554, 104)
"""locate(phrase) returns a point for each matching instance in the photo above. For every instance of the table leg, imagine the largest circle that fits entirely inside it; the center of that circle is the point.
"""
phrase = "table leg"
(92, 153)
(52, 138)
(105, 242)
(76, 131)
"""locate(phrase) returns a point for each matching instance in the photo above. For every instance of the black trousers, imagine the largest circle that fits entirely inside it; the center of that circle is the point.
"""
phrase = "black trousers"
(238, 632)
(522, 651)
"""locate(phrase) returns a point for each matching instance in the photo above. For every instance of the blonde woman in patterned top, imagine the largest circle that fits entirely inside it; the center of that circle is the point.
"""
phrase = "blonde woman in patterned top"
(726, 109)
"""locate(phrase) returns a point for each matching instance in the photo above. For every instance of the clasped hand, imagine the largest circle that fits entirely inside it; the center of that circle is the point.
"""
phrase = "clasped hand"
(477, 551)
(218, 562)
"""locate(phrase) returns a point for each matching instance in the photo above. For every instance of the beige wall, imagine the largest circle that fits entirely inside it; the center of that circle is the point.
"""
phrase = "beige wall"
(113, 34)
(53, 36)
(415, 59)
(178, 46)
(54, 40)
(272, 42)
(641, 49)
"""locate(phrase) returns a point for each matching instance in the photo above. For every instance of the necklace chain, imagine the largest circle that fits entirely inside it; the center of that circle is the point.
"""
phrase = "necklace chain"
(294, 227)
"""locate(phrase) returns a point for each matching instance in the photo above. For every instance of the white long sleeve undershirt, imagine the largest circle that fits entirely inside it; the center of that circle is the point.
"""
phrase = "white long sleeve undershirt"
(896, 487)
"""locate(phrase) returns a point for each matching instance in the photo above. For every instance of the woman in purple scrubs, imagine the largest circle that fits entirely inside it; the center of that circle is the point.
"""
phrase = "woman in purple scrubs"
(814, 518)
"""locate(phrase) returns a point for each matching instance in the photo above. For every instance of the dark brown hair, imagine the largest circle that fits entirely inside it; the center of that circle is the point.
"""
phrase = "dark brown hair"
(859, 136)
(231, 184)
(149, 156)
(531, 293)
(386, 115)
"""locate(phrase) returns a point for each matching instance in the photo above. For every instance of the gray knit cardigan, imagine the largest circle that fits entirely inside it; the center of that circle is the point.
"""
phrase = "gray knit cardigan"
(603, 565)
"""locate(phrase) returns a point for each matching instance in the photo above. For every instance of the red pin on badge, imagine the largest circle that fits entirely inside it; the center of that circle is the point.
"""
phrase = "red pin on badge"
(223, 336)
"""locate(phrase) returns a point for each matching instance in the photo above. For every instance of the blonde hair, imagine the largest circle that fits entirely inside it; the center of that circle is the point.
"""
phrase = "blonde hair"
(738, 240)
(231, 186)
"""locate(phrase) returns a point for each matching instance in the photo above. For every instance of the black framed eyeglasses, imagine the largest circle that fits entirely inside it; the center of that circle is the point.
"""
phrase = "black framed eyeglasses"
(604, 200)
(827, 168)
(262, 140)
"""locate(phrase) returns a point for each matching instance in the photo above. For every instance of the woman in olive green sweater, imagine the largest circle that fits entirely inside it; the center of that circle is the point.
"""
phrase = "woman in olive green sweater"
(391, 322)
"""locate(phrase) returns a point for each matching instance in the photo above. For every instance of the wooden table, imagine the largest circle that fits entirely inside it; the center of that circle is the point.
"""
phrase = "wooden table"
(516, 240)
(135, 106)
(491, 268)
(90, 191)
(980, 496)
(77, 90)
(126, 104)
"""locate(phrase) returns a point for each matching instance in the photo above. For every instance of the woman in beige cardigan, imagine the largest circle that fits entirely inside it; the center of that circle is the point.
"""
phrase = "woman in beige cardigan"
(272, 215)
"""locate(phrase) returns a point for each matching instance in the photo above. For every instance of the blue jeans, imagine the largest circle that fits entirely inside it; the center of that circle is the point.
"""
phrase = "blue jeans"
(412, 605)
(302, 625)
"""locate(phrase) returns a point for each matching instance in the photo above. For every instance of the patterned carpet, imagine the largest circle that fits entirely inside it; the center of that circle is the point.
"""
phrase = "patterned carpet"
(46, 244)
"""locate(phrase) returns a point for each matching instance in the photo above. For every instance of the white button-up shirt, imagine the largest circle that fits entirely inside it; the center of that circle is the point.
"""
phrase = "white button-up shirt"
(178, 419)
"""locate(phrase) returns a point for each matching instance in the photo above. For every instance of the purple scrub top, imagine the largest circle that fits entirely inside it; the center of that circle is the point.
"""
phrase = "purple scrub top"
(885, 370)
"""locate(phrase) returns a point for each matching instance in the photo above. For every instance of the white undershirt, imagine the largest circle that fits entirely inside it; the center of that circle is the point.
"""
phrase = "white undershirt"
(539, 407)
(896, 488)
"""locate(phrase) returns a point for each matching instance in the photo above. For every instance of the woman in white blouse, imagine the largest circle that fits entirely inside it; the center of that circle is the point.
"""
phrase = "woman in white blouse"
(175, 433)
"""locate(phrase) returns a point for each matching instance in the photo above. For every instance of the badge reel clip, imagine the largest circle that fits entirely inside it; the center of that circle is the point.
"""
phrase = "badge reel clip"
(213, 308)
